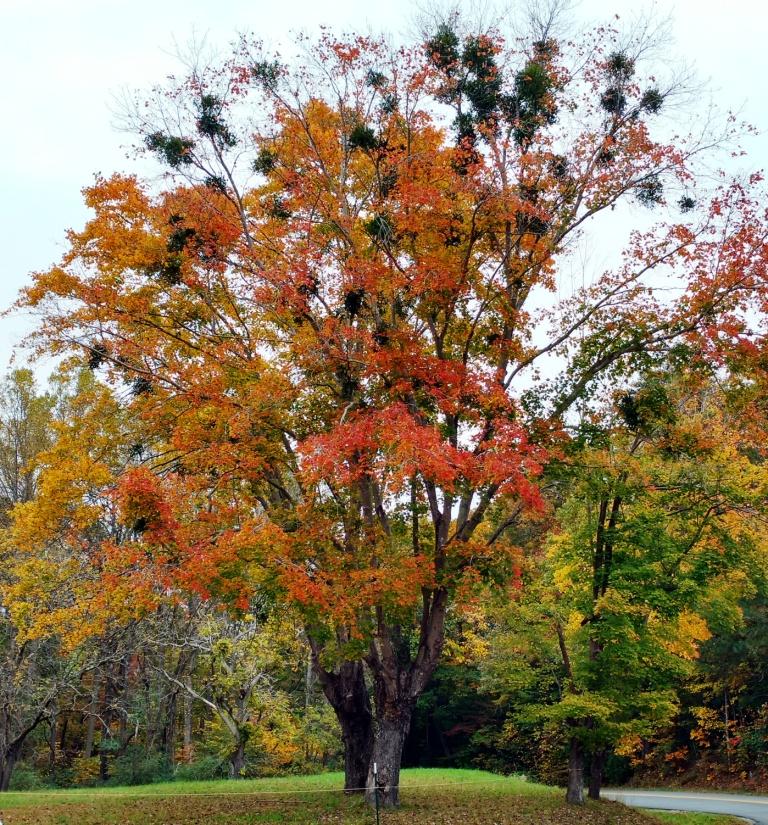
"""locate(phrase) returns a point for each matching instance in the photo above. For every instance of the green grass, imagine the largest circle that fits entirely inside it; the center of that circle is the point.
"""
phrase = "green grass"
(686, 818)
(429, 797)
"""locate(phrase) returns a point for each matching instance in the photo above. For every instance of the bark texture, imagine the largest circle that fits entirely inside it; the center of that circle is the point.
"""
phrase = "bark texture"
(7, 764)
(391, 731)
(237, 760)
(596, 771)
(575, 792)
(345, 689)
(399, 678)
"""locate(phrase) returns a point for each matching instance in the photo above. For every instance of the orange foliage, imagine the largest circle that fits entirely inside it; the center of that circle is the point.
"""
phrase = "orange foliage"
(328, 360)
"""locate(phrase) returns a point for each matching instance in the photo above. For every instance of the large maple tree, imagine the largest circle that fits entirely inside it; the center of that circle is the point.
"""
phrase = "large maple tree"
(331, 318)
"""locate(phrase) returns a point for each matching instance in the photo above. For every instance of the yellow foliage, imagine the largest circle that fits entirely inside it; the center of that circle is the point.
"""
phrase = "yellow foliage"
(690, 630)
(629, 746)
(86, 770)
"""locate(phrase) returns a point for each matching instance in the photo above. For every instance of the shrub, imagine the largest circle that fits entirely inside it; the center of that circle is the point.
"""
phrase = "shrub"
(137, 767)
(209, 767)
(86, 770)
(26, 778)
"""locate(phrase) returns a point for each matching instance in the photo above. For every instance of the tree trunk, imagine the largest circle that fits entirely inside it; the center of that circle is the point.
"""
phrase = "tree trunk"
(92, 714)
(169, 729)
(187, 728)
(399, 678)
(357, 734)
(237, 760)
(345, 689)
(596, 768)
(63, 734)
(7, 764)
(103, 755)
(106, 729)
(391, 730)
(309, 681)
(52, 731)
(122, 694)
(575, 792)
(10, 745)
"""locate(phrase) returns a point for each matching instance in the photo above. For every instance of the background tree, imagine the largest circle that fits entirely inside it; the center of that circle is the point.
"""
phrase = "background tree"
(24, 431)
(234, 663)
(662, 513)
(31, 677)
(144, 649)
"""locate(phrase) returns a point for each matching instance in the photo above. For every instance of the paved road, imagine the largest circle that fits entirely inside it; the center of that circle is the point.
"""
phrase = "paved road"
(749, 807)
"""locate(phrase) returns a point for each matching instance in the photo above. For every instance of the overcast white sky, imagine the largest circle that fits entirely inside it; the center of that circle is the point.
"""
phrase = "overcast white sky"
(62, 60)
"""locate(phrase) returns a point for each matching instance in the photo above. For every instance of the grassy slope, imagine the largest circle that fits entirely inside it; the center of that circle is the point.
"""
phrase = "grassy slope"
(430, 797)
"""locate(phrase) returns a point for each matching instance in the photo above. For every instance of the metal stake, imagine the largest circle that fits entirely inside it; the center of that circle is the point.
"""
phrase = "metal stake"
(376, 789)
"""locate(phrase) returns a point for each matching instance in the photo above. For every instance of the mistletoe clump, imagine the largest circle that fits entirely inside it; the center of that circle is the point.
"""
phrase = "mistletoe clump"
(175, 151)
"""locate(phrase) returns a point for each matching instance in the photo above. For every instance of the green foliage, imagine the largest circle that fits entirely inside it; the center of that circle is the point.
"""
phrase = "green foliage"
(168, 271)
(278, 209)
(529, 105)
(362, 137)
(318, 740)
(205, 768)
(605, 156)
(613, 100)
(210, 123)
(354, 301)
(179, 238)
(454, 722)
(216, 182)
(265, 161)
(375, 79)
(266, 72)
(141, 386)
(389, 103)
(388, 182)
(620, 66)
(559, 166)
(649, 192)
(652, 101)
(26, 778)
(97, 355)
(527, 223)
(380, 228)
(647, 407)
(137, 767)
(464, 124)
(475, 87)
(532, 84)
(175, 151)
(483, 85)
(658, 537)
(443, 47)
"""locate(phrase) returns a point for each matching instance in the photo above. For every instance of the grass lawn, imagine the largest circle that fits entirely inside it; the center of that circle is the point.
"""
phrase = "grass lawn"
(672, 818)
(429, 797)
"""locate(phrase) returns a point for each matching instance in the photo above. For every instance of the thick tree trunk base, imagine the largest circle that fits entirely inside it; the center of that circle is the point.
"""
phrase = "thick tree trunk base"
(6, 770)
(596, 770)
(575, 793)
(387, 756)
(347, 693)
(357, 734)
(237, 762)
